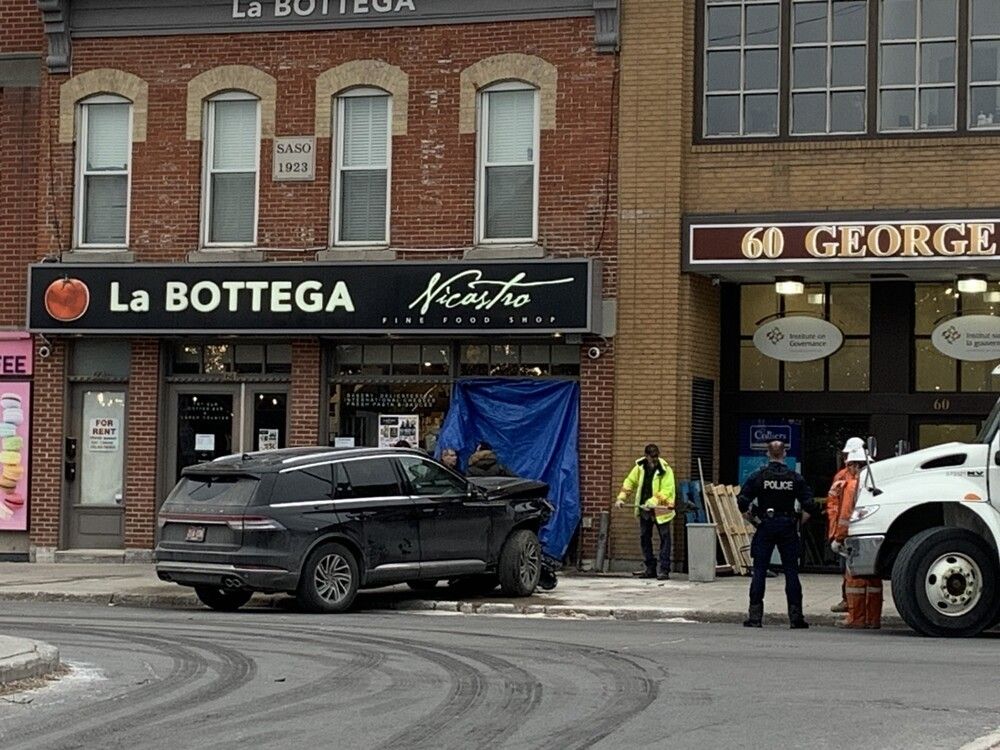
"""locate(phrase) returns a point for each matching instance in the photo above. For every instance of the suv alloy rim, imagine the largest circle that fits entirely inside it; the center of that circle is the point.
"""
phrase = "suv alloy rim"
(332, 578)
(529, 564)
(954, 584)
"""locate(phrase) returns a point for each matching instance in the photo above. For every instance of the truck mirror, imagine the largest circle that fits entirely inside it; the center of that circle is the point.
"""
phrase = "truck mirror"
(872, 446)
(996, 458)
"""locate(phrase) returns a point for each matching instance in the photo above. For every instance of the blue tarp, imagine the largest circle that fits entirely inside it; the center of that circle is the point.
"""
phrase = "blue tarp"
(533, 426)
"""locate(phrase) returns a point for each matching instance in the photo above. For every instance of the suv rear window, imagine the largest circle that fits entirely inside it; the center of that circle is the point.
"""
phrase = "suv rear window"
(374, 477)
(302, 485)
(214, 490)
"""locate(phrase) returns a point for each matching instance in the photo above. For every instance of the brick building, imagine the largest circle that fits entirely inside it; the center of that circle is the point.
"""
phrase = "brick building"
(240, 213)
(845, 148)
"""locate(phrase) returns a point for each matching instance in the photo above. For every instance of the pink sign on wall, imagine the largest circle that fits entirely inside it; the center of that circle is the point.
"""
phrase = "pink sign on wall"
(15, 354)
(15, 428)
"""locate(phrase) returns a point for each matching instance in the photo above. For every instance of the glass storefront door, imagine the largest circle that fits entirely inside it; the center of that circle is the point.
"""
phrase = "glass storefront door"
(207, 421)
(95, 466)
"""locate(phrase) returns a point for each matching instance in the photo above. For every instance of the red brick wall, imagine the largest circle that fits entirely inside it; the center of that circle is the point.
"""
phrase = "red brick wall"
(47, 430)
(307, 385)
(19, 175)
(142, 434)
(433, 184)
(433, 164)
(21, 27)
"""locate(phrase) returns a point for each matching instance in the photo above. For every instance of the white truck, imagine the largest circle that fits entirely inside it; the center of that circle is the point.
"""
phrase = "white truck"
(930, 522)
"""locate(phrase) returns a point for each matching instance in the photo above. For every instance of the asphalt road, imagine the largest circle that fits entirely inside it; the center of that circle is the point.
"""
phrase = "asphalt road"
(258, 679)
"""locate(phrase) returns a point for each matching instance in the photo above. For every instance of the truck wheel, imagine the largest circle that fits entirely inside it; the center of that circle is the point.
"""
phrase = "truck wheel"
(222, 600)
(329, 580)
(944, 583)
(520, 563)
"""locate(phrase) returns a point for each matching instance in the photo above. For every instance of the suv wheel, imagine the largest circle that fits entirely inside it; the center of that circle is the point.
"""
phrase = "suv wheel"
(520, 563)
(222, 600)
(329, 580)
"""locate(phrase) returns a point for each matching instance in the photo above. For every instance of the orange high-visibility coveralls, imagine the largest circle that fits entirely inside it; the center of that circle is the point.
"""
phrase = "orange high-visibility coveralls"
(864, 593)
(833, 500)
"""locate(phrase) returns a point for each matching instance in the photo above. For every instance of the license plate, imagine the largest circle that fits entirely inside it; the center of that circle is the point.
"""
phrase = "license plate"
(195, 534)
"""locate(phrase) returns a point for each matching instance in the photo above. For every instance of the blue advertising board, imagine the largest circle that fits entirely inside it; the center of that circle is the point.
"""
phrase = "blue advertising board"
(755, 434)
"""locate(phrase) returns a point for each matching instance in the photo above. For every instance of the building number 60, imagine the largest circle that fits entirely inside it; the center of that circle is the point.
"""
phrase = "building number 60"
(770, 244)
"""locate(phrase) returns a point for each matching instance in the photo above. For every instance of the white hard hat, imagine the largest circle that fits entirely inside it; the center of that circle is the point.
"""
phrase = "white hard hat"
(857, 454)
(853, 444)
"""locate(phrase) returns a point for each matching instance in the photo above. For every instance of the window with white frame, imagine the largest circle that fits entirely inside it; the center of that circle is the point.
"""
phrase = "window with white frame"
(829, 66)
(508, 164)
(232, 169)
(363, 156)
(984, 65)
(104, 163)
(918, 64)
(741, 67)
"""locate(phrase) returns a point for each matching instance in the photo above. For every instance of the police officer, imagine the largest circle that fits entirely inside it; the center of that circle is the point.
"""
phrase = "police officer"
(776, 489)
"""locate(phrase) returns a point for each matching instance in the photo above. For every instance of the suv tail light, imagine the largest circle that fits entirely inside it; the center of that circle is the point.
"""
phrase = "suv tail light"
(255, 523)
(236, 523)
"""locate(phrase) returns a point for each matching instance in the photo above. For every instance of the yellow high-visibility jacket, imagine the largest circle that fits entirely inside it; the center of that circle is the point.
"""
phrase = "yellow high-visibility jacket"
(662, 501)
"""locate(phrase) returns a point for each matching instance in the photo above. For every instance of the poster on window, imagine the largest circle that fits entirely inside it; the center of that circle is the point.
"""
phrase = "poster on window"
(267, 440)
(394, 428)
(15, 429)
(755, 434)
(103, 434)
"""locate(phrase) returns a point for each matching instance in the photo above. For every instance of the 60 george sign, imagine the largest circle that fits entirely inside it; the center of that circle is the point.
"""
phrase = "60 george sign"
(735, 245)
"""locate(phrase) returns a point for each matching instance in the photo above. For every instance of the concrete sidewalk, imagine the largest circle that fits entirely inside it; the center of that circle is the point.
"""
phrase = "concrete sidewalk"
(578, 595)
(22, 659)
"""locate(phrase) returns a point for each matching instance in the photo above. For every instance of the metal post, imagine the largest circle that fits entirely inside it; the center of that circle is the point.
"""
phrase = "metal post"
(602, 539)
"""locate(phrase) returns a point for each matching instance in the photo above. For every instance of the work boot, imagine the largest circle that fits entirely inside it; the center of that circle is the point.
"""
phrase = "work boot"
(663, 576)
(795, 619)
(647, 572)
(839, 607)
(754, 616)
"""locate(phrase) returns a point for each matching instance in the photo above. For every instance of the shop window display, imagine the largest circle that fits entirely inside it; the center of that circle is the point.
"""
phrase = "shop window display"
(370, 381)
(222, 359)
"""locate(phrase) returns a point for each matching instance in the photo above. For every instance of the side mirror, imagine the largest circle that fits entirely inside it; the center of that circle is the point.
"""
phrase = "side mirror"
(996, 458)
(872, 446)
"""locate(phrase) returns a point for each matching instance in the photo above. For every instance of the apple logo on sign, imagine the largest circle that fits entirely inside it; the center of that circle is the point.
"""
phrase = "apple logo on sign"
(67, 299)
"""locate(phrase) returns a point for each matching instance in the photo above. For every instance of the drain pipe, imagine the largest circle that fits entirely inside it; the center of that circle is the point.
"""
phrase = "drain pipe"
(602, 540)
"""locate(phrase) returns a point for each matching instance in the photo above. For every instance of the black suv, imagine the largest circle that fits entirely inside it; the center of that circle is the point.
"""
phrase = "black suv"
(323, 522)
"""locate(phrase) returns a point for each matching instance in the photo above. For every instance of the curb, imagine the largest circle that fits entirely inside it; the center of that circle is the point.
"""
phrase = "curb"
(36, 660)
(474, 607)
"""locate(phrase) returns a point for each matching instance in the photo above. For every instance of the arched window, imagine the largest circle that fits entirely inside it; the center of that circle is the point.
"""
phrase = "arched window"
(104, 169)
(232, 170)
(508, 164)
(363, 157)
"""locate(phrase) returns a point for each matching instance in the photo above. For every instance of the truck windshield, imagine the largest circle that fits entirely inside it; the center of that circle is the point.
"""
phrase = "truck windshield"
(991, 425)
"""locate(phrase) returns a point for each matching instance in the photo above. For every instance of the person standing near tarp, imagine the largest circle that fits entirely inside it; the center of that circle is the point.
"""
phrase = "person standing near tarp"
(864, 593)
(834, 498)
(484, 463)
(771, 494)
(651, 483)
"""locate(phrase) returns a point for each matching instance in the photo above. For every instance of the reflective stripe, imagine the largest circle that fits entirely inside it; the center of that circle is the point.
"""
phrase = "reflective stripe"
(842, 522)
(873, 590)
(855, 590)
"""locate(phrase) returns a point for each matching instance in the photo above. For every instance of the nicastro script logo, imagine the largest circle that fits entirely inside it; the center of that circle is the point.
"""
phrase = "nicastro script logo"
(67, 299)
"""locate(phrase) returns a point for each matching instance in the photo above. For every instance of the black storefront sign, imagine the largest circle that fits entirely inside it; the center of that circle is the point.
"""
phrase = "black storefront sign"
(316, 298)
